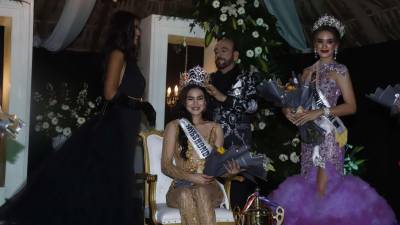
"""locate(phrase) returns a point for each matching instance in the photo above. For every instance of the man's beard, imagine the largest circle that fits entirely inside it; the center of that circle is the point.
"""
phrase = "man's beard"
(221, 63)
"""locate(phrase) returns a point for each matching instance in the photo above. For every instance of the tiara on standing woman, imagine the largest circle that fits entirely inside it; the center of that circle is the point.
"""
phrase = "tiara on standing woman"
(196, 75)
(329, 21)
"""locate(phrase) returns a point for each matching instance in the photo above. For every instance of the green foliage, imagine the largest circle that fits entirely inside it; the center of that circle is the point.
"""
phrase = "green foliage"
(352, 164)
(247, 22)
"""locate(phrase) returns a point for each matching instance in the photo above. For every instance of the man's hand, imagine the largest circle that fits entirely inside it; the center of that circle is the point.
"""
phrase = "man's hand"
(213, 91)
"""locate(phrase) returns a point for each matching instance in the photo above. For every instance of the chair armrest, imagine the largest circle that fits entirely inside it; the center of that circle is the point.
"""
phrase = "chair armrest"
(152, 181)
(145, 176)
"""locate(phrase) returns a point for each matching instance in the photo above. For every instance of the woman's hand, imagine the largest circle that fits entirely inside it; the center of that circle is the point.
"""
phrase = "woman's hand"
(232, 168)
(289, 114)
(199, 178)
(304, 117)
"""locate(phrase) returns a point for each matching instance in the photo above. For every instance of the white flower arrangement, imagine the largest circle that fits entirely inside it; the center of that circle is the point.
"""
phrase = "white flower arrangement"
(59, 111)
(247, 22)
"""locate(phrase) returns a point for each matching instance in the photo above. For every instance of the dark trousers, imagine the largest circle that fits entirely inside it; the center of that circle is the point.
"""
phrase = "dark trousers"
(240, 191)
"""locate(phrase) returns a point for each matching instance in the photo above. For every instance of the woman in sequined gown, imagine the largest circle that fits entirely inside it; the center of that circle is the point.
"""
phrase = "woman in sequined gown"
(196, 201)
(321, 194)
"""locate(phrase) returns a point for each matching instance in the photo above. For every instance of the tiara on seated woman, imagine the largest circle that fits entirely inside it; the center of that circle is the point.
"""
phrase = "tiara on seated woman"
(329, 21)
(196, 75)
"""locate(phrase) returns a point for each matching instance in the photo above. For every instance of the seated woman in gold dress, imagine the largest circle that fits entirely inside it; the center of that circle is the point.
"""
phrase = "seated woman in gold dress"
(188, 143)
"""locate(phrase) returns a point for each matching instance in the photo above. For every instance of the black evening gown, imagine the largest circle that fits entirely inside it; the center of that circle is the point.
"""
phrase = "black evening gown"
(89, 181)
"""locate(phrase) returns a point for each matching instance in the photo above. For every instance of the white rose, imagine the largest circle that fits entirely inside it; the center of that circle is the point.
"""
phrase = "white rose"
(255, 34)
(238, 61)
(50, 115)
(283, 157)
(216, 4)
(45, 125)
(267, 112)
(241, 2)
(39, 117)
(67, 131)
(91, 105)
(64, 107)
(258, 50)
(223, 17)
(256, 4)
(295, 142)
(250, 53)
(241, 11)
(294, 157)
(240, 22)
(224, 9)
(54, 121)
(259, 21)
(81, 120)
(37, 127)
(59, 129)
(261, 125)
(53, 102)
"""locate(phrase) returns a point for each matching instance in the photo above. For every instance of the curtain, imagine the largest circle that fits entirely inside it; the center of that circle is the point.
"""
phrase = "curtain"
(69, 26)
(288, 22)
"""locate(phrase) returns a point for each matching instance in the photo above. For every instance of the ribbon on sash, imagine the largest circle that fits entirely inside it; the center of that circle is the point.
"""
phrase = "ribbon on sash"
(202, 148)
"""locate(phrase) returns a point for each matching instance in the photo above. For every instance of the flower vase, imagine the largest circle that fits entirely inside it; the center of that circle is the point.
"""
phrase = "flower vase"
(58, 141)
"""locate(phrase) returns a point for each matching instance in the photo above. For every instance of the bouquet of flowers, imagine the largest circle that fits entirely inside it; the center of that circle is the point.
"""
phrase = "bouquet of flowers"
(389, 97)
(295, 96)
(59, 111)
(253, 164)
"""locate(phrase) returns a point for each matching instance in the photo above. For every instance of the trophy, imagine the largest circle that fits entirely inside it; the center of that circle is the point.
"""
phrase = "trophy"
(10, 124)
(258, 211)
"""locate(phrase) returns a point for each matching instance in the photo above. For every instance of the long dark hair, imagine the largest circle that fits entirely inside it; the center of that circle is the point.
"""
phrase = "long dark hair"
(121, 35)
(181, 112)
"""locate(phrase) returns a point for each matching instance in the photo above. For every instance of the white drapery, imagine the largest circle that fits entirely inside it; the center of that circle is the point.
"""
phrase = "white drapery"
(73, 18)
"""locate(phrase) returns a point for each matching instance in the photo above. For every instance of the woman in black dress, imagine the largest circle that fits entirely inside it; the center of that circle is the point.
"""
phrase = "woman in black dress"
(89, 181)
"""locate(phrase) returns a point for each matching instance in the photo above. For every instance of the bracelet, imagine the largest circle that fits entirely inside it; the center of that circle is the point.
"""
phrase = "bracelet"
(327, 111)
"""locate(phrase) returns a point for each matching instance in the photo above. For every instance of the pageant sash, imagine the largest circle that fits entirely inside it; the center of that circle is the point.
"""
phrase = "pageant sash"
(202, 148)
(329, 123)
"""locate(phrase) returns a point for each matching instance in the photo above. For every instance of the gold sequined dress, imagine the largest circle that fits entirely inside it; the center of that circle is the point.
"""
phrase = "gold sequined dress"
(196, 203)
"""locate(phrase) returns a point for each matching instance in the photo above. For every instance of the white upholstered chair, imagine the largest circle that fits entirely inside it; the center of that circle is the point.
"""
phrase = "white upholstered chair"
(156, 209)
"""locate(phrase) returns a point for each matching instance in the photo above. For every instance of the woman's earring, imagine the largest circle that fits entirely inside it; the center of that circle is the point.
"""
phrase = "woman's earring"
(315, 53)
(335, 53)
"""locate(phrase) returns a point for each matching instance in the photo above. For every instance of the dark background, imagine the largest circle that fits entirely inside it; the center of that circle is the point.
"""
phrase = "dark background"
(372, 126)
